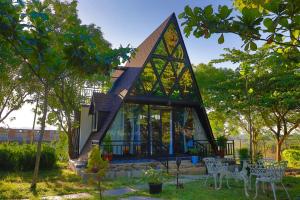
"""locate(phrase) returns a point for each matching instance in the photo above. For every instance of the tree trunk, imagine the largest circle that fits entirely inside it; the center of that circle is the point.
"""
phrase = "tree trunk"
(34, 119)
(278, 150)
(39, 145)
(72, 143)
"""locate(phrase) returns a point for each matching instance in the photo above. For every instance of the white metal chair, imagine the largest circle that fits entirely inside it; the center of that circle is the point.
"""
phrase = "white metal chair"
(214, 168)
(237, 175)
(272, 173)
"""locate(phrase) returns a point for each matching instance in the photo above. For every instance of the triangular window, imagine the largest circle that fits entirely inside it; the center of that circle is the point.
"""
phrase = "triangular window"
(160, 49)
(171, 38)
(167, 74)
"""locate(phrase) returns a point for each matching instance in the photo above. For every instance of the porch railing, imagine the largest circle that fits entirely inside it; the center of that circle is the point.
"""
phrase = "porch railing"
(126, 149)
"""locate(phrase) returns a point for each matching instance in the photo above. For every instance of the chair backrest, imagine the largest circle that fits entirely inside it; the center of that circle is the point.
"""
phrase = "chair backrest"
(276, 170)
(210, 164)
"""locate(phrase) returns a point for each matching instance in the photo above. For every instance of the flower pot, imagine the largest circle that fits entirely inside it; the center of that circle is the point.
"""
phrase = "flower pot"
(155, 188)
(110, 157)
(195, 160)
(222, 153)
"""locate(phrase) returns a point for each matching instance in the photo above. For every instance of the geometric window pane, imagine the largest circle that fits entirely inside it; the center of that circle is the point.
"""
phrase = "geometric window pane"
(160, 49)
(178, 52)
(171, 38)
(148, 77)
(157, 91)
(186, 84)
(168, 78)
(178, 66)
(158, 64)
(176, 93)
(138, 89)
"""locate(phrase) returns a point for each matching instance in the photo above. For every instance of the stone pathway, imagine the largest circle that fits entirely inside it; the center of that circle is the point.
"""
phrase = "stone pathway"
(140, 198)
(118, 192)
(69, 196)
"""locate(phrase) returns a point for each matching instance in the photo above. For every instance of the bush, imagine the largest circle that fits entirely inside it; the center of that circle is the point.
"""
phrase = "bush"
(243, 154)
(15, 157)
(292, 156)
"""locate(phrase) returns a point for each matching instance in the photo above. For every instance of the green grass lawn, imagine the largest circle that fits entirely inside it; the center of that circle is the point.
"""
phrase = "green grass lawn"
(63, 181)
(196, 191)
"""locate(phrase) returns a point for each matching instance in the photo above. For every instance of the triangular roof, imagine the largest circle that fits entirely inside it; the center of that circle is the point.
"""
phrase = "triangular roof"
(126, 80)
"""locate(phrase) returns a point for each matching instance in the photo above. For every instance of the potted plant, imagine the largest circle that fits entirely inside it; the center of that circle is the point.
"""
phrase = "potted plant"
(155, 178)
(107, 143)
(97, 165)
(222, 142)
(195, 158)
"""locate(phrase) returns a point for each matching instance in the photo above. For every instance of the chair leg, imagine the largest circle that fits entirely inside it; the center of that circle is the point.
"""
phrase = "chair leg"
(263, 187)
(206, 179)
(250, 182)
(256, 189)
(246, 187)
(274, 190)
(215, 180)
(227, 181)
(286, 191)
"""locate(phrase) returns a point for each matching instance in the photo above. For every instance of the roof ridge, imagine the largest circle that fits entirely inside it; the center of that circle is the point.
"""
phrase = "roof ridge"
(145, 48)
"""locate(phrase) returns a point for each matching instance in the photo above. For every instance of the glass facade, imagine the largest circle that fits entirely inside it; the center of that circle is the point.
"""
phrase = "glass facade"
(167, 72)
(140, 129)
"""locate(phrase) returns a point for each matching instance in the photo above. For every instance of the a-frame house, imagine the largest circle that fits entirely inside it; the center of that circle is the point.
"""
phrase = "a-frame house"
(154, 105)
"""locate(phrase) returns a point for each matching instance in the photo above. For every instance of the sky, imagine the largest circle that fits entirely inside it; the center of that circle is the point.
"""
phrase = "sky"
(129, 22)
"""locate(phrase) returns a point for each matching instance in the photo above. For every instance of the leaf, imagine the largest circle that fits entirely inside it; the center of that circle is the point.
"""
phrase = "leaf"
(181, 15)
(284, 22)
(250, 91)
(221, 39)
(268, 23)
(208, 11)
(253, 46)
(224, 12)
(188, 10)
(246, 48)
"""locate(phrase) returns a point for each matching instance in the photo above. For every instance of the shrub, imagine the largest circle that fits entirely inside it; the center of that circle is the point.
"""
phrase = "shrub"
(222, 141)
(15, 157)
(243, 154)
(292, 156)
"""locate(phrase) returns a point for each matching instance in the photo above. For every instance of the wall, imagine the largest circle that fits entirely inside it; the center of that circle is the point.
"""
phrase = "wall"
(85, 126)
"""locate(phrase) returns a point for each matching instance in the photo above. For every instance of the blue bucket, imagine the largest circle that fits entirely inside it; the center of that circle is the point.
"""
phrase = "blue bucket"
(195, 160)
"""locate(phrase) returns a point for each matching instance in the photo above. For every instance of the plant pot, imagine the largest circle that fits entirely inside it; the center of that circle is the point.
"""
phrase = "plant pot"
(195, 160)
(110, 157)
(222, 153)
(155, 188)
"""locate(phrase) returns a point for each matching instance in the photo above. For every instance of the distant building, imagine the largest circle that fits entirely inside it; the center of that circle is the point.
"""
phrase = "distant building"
(26, 135)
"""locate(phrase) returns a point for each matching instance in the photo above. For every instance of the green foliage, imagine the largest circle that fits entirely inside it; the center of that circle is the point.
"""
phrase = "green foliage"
(222, 141)
(61, 147)
(271, 21)
(107, 142)
(15, 157)
(154, 176)
(258, 156)
(243, 154)
(194, 151)
(292, 156)
(95, 162)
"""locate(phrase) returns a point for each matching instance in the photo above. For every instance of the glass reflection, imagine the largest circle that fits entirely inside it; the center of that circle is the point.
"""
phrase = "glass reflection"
(148, 77)
(168, 78)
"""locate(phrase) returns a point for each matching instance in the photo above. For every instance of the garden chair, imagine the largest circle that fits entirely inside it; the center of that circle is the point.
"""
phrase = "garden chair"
(214, 168)
(272, 174)
(255, 169)
(237, 175)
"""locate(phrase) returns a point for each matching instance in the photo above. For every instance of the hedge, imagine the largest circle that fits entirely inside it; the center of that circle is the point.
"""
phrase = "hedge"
(21, 157)
(292, 156)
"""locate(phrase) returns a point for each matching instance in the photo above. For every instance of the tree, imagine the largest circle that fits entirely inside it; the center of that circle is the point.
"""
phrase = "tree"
(275, 88)
(13, 87)
(225, 92)
(275, 21)
(49, 51)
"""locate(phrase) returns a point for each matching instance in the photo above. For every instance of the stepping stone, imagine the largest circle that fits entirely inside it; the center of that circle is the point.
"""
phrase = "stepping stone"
(139, 198)
(68, 196)
(118, 192)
